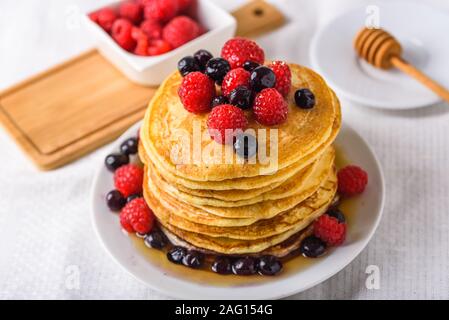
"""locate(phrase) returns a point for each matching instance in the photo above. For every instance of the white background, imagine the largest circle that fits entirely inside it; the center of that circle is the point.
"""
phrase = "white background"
(45, 219)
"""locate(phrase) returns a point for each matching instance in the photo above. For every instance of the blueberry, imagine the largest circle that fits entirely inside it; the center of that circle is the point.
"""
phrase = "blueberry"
(176, 254)
(217, 68)
(218, 100)
(115, 161)
(202, 57)
(156, 239)
(132, 197)
(245, 145)
(305, 98)
(262, 78)
(193, 259)
(115, 200)
(312, 247)
(250, 65)
(129, 146)
(244, 266)
(222, 265)
(269, 266)
(188, 64)
(337, 214)
(241, 97)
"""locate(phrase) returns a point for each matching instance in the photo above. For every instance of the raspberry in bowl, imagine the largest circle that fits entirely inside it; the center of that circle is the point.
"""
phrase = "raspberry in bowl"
(143, 39)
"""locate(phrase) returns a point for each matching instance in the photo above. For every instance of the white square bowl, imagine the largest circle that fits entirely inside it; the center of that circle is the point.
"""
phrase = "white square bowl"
(151, 71)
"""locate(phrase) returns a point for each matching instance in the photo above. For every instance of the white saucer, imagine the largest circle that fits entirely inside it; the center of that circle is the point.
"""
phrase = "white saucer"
(364, 222)
(422, 32)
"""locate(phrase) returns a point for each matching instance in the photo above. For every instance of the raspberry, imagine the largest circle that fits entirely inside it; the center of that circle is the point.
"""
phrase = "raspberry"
(223, 121)
(152, 29)
(94, 16)
(142, 46)
(158, 46)
(106, 18)
(270, 108)
(128, 179)
(239, 50)
(131, 10)
(136, 216)
(180, 30)
(196, 92)
(283, 77)
(122, 34)
(184, 4)
(233, 79)
(352, 180)
(161, 10)
(137, 34)
(329, 230)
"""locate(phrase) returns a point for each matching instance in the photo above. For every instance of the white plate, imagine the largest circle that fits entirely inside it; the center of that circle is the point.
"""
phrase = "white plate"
(364, 222)
(420, 29)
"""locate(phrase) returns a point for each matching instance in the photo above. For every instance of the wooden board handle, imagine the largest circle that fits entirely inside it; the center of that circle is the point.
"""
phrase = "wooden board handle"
(257, 17)
(421, 77)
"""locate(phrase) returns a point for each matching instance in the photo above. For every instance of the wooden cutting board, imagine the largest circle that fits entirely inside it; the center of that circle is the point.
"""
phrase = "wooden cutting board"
(65, 112)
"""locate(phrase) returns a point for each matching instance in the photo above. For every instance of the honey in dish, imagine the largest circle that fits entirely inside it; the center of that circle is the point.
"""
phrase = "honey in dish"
(292, 264)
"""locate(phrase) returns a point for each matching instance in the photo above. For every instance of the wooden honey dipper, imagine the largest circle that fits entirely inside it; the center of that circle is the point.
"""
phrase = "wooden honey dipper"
(383, 51)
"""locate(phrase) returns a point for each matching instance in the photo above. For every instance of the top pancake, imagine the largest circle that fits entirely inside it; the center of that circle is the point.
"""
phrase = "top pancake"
(304, 132)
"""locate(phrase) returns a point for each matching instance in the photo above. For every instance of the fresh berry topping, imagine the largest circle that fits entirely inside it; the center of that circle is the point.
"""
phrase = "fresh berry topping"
(94, 16)
(233, 79)
(269, 266)
(245, 266)
(115, 200)
(132, 197)
(250, 65)
(129, 146)
(330, 230)
(270, 108)
(202, 57)
(245, 145)
(136, 216)
(312, 247)
(152, 29)
(131, 10)
(122, 34)
(241, 97)
(239, 50)
(188, 64)
(184, 4)
(216, 69)
(222, 265)
(161, 10)
(193, 259)
(158, 46)
(106, 18)
(115, 160)
(305, 98)
(180, 30)
(156, 239)
(261, 78)
(337, 214)
(219, 100)
(196, 92)
(352, 180)
(142, 46)
(224, 121)
(176, 254)
(128, 179)
(283, 77)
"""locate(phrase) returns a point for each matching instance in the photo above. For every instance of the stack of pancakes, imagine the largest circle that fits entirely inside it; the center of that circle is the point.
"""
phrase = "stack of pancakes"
(243, 207)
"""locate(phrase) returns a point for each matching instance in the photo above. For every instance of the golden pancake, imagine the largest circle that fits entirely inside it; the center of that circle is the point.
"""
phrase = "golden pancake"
(302, 134)
(291, 187)
(261, 229)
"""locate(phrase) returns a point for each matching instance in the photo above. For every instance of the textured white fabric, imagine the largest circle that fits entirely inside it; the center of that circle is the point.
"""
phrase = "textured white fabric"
(45, 222)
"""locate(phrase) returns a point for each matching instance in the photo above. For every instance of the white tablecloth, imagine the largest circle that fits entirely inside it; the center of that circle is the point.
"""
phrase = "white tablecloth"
(46, 233)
